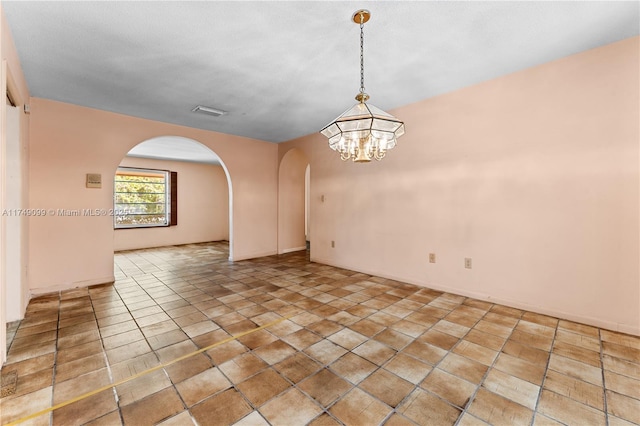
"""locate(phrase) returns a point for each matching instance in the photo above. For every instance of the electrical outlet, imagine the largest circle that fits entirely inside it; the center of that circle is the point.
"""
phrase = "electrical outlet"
(467, 262)
(432, 258)
(333, 244)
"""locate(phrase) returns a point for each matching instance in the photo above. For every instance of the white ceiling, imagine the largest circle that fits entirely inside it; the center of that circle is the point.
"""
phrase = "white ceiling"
(174, 148)
(283, 69)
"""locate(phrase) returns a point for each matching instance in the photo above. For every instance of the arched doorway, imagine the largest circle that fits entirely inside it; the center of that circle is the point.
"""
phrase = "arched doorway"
(293, 212)
(198, 195)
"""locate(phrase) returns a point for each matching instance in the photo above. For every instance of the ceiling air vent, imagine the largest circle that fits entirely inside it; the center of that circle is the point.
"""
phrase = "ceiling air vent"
(208, 110)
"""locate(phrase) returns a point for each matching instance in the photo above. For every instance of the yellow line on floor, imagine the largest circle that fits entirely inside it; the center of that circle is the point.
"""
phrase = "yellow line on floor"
(151, 370)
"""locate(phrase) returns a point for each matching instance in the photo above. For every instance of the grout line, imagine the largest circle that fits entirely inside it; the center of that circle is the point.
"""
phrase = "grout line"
(150, 370)
(546, 373)
(604, 383)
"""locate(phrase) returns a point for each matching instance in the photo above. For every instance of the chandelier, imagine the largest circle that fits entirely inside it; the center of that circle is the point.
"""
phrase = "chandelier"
(363, 132)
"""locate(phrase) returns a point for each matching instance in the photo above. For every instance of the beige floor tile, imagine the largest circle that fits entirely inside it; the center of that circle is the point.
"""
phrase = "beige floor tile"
(583, 329)
(31, 351)
(623, 407)
(495, 409)
(187, 368)
(85, 410)
(290, 408)
(109, 419)
(201, 386)
(579, 340)
(535, 328)
(353, 368)
(464, 368)
(275, 352)
(226, 351)
(181, 419)
(512, 388)
(376, 352)
(476, 352)
(142, 387)
(620, 339)
(449, 387)
(153, 409)
(409, 328)
(225, 408)
(501, 320)
(80, 366)
(408, 368)
(528, 353)
(25, 405)
(347, 338)
(493, 328)
(439, 339)
(615, 421)
(393, 338)
(29, 383)
(132, 366)
(325, 351)
(520, 368)
(537, 341)
(578, 390)
(157, 328)
(297, 367)
(486, 340)
(540, 319)
(424, 408)
(622, 384)
(79, 385)
(387, 387)
(621, 366)
(32, 365)
(33, 339)
(258, 339)
(175, 351)
(128, 351)
(360, 408)
(620, 351)
(451, 328)
(325, 387)
(568, 411)
(242, 366)
(576, 353)
(263, 386)
(166, 339)
(575, 369)
(324, 419)
(468, 420)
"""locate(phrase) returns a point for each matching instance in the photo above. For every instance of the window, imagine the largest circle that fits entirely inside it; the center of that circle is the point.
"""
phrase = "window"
(144, 198)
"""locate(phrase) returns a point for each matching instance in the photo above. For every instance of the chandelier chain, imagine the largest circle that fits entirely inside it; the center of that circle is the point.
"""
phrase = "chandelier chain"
(361, 53)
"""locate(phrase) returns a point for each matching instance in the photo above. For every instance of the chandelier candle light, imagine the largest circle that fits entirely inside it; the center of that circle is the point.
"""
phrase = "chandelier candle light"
(363, 132)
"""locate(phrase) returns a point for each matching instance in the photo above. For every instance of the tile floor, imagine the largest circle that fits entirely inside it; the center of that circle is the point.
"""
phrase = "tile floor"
(353, 349)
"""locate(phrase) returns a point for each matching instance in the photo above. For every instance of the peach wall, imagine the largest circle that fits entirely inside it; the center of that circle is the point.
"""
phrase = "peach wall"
(534, 175)
(69, 141)
(291, 201)
(203, 207)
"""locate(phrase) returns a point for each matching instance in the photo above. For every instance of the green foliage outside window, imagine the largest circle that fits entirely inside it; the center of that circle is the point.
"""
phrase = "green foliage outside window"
(140, 198)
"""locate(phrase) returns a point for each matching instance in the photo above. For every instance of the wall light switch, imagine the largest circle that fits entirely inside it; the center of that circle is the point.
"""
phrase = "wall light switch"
(333, 244)
(467, 262)
(432, 258)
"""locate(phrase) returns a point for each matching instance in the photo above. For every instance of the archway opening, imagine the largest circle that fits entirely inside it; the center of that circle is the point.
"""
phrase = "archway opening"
(293, 204)
(171, 190)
